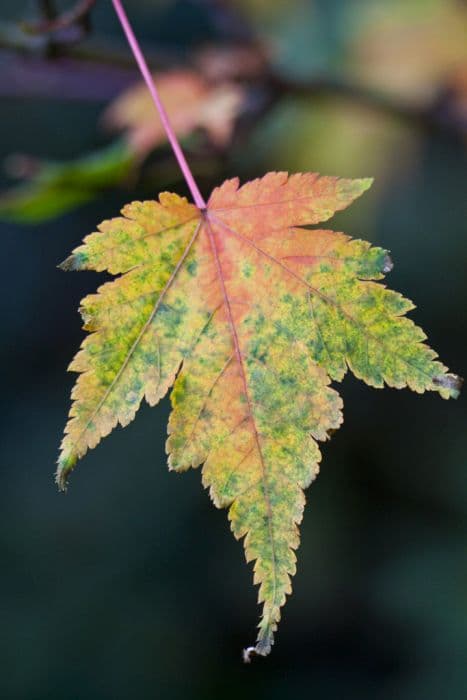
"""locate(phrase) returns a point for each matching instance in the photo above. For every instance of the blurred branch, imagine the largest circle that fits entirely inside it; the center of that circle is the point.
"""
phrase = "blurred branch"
(79, 14)
(96, 70)
(62, 79)
(92, 70)
(14, 40)
(434, 116)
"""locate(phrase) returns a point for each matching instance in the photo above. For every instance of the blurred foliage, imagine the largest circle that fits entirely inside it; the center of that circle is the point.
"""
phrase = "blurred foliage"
(190, 102)
(408, 55)
(130, 586)
(428, 37)
(344, 138)
(54, 188)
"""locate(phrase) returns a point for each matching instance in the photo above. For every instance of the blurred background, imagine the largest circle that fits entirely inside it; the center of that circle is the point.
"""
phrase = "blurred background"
(131, 585)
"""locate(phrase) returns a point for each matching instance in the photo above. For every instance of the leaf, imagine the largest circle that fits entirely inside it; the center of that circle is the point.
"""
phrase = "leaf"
(191, 103)
(56, 188)
(250, 317)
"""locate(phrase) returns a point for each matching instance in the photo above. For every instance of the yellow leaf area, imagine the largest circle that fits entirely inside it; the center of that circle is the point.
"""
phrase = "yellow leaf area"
(250, 317)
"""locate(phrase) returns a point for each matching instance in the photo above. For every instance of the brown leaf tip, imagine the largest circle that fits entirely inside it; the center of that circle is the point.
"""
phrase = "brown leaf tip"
(66, 464)
(247, 654)
(67, 264)
(450, 382)
(262, 648)
(75, 261)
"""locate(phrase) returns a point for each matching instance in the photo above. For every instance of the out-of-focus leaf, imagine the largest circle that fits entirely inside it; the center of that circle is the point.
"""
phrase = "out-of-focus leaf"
(55, 188)
(191, 103)
(409, 48)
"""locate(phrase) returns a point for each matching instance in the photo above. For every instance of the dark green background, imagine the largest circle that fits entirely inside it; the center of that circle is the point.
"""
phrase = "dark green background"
(131, 585)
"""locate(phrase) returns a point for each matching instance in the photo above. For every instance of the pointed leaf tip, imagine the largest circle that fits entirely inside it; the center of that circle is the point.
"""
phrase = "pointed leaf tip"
(65, 466)
(250, 652)
(247, 654)
(450, 385)
(67, 264)
(73, 262)
(355, 187)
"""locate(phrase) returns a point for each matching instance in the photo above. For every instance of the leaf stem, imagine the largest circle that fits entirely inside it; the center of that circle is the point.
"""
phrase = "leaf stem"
(145, 72)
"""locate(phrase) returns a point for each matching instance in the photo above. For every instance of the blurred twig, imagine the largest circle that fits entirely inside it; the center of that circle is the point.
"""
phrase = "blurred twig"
(423, 116)
(98, 51)
(79, 14)
(20, 77)
(62, 79)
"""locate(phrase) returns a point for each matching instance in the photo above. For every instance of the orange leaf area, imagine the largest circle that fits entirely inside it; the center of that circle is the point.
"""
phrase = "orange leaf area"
(191, 103)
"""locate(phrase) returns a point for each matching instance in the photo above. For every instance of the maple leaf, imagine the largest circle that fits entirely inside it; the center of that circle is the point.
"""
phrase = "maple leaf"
(191, 102)
(249, 316)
